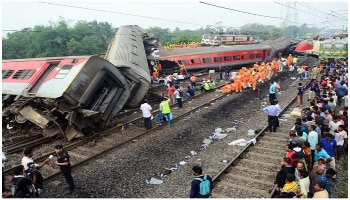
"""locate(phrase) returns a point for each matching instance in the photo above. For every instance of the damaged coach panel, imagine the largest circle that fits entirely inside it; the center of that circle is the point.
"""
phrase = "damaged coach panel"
(77, 95)
(128, 53)
(74, 96)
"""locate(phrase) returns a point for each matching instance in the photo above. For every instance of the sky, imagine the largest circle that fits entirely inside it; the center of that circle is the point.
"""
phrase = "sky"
(189, 14)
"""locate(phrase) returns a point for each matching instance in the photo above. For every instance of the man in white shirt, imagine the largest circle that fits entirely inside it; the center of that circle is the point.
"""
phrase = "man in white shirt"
(304, 182)
(334, 124)
(27, 158)
(342, 141)
(147, 114)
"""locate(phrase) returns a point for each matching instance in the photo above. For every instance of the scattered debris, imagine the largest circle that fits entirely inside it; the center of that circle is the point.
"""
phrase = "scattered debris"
(182, 162)
(251, 132)
(154, 181)
(242, 142)
(193, 153)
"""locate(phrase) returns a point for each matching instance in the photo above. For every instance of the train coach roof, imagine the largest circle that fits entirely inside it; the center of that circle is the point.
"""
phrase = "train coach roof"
(163, 53)
(46, 58)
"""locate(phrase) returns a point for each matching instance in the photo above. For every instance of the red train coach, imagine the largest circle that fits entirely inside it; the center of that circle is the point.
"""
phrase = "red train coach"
(69, 95)
(225, 56)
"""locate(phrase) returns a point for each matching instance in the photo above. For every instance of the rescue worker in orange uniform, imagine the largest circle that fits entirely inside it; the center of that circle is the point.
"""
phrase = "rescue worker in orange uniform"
(155, 72)
(254, 78)
(241, 71)
(276, 67)
(246, 76)
(226, 88)
(159, 67)
(238, 83)
(256, 66)
(155, 75)
(181, 69)
(262, 73)
(289, 60)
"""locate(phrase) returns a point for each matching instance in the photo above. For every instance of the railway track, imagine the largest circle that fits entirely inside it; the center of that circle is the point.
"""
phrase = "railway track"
(252, 171)
(97, 145)
(37, 140)
(91, 147)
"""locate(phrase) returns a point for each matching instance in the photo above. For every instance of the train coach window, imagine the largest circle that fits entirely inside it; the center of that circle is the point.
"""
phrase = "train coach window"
(183, 62)
(23, 74)
(258, 55)
(236, 57)
(244, 56)
(196, 60)
(227, 58)
(251, 55)
(63, 71)
(217, 59)
(206, 60)
(7, 73)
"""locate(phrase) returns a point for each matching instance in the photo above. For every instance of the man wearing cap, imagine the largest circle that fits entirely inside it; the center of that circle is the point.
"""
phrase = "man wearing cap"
(64, 164)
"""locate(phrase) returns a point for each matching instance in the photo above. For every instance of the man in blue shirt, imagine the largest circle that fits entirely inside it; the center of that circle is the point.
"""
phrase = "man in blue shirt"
(321, 153)
(272, 92)
(330, 146)
(340, 91)
(325, 178)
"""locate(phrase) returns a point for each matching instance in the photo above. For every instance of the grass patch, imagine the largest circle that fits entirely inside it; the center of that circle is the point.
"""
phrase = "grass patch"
(345, 186)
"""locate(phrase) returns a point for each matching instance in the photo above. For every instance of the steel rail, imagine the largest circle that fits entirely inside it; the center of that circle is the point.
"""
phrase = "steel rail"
(118, 129)
(221, 173)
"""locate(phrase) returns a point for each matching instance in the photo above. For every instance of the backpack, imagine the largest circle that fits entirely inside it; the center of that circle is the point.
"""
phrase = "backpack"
(181, 93)
(15, 191)
(20, 193)
(204, 186)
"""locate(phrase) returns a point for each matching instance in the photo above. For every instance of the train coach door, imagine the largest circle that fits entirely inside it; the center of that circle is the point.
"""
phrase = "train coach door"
(265, 54)
(41, 80)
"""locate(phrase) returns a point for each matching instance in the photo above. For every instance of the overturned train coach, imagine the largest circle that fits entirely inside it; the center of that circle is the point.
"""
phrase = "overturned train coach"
(78, 95)
(221, 56)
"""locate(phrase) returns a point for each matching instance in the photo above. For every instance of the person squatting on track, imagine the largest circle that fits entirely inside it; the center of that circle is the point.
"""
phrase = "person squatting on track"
(272, 111)
(64, 164)
(164, 107)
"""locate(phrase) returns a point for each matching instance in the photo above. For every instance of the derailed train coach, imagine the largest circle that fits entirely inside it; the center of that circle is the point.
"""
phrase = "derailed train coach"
(221, 56)
(127, 52)
(74, 96)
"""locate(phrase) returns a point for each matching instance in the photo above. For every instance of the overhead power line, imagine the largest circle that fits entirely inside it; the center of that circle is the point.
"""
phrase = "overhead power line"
(242, 11)
(320, 11)
(134, 15)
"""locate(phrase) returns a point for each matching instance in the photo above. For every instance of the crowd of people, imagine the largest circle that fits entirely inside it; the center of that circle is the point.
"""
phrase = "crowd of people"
(318, 141)
(248, 77)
